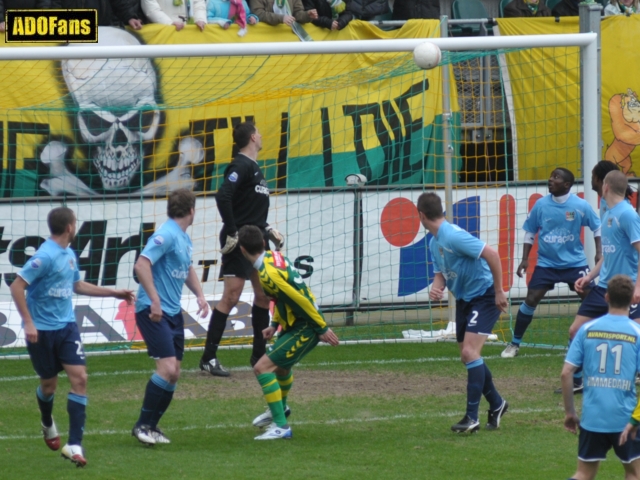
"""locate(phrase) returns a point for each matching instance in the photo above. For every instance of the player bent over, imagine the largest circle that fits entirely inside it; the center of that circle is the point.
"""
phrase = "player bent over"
(557, 220)
(608, 351)
(470, 269)
(302, 327)
(49, 279)
(163, 267)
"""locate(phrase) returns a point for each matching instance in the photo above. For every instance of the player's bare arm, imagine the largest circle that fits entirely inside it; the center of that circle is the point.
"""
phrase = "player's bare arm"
(330, 338)
(571, 420)
(586, 280)
(193, 284)
(524, 264)
(492, 258)
(91, 290)
(269, 332)
(436, 291)
(18, 293)
(598, 242)
(142, 269)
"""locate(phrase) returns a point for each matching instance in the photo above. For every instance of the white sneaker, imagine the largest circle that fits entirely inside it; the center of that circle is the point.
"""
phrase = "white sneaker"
(274, 432)
(265, 419)
(74, 454)
(51, 436)
(143, 434)
(158, 435)
(511, 351)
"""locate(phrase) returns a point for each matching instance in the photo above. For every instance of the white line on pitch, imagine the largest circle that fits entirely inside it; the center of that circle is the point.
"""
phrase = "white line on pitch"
(391, 361)
(337, 421)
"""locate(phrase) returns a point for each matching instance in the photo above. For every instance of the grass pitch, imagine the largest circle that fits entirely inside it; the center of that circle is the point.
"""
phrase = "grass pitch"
(362, 411)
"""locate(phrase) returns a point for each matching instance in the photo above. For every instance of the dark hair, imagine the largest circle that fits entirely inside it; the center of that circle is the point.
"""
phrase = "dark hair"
(620, 290)
(605, 166)
(431, 205)
(59, 219)
(242, 133)
(251, 239)
(567, 175)
(180, 203)
(617, 181)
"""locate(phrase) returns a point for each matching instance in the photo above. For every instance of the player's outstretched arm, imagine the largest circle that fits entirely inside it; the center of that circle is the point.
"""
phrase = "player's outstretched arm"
(91, 290)
(143, 271)
(18, 289)
(492, 258)
(571, 421)
(193, 284)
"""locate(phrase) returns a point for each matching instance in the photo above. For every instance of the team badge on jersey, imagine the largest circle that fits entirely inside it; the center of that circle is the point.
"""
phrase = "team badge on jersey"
(233, 177)
(158, 240)
(570, 216)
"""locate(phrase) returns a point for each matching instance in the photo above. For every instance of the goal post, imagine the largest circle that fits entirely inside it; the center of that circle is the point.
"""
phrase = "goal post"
(109, 130)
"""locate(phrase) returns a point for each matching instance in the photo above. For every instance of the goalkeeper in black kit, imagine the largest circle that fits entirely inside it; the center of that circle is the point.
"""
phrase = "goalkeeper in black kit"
(242, 199)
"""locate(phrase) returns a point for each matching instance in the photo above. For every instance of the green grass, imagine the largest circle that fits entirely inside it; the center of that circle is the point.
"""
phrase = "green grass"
(376, 411)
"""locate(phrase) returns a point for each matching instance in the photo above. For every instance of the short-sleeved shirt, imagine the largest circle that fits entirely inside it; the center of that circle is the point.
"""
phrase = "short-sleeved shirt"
(456, 254)
(620, 230)
(51, 273)
(169, 250)
(558, 227)
(608, 350)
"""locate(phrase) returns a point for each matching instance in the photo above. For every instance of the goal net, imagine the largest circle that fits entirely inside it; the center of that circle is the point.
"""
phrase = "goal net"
(110, 136)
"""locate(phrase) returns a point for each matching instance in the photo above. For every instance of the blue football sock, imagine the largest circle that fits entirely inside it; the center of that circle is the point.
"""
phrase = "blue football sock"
(165, 400)
(475, 384)
(489, 390)
(523, 320)
(77, 409)
(152, 399)
(46, 407)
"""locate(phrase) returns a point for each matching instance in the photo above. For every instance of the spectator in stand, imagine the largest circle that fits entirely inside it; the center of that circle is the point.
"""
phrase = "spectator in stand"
(332, 14)
(176, 12)
(408, 9)
(226, 12)
(620, 7)
(566, 8)
(22, 5)
(110, 12)
(275, 12)
(368, 9)
(527, 8)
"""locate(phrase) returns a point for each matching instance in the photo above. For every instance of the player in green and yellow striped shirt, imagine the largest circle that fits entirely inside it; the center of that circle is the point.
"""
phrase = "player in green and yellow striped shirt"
(303, 326)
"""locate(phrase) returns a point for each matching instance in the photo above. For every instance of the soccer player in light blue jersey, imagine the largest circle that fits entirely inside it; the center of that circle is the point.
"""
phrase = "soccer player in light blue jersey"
(42, 292)
(597, 179)
(163, 267)
(557, 219)
(470, 269)
(608, 351)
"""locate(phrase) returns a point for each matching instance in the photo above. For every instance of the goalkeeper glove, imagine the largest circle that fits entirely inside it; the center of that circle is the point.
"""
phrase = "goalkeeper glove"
(230, 243)
(276, 237)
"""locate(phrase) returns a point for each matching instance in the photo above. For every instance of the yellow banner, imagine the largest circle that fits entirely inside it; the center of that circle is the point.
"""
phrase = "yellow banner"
(140, 125)
(546, 95)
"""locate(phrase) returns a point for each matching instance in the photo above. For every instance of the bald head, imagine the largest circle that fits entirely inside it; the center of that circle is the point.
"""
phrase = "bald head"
(617, 182)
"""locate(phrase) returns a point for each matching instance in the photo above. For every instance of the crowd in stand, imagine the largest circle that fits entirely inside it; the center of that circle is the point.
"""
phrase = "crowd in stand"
(330, 14)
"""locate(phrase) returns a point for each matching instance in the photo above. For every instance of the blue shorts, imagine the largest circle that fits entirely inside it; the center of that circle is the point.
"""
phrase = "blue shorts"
(477, 316)
(545, 278)
(593, 447)
(594, 305)
(56, 348)
(165, 338)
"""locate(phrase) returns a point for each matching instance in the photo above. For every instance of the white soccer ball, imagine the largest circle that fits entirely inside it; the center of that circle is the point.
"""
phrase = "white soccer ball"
(427, 55)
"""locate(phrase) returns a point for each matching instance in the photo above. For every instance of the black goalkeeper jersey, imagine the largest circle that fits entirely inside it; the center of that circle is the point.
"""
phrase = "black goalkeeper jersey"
(243, 197)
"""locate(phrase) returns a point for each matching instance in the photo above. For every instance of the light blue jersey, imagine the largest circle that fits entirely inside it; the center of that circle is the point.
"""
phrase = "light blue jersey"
(608, 351)
(604, 208)
(456, 254)
(620, 230)
(51, 273)
(169, 251)
(558, 227)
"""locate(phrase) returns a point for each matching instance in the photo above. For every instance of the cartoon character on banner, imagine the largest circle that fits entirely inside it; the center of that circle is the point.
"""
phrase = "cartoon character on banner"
(624, 110)
(119, 120)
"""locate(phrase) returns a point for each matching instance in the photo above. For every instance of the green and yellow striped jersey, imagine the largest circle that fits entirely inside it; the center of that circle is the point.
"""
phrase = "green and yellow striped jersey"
(293, 299)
